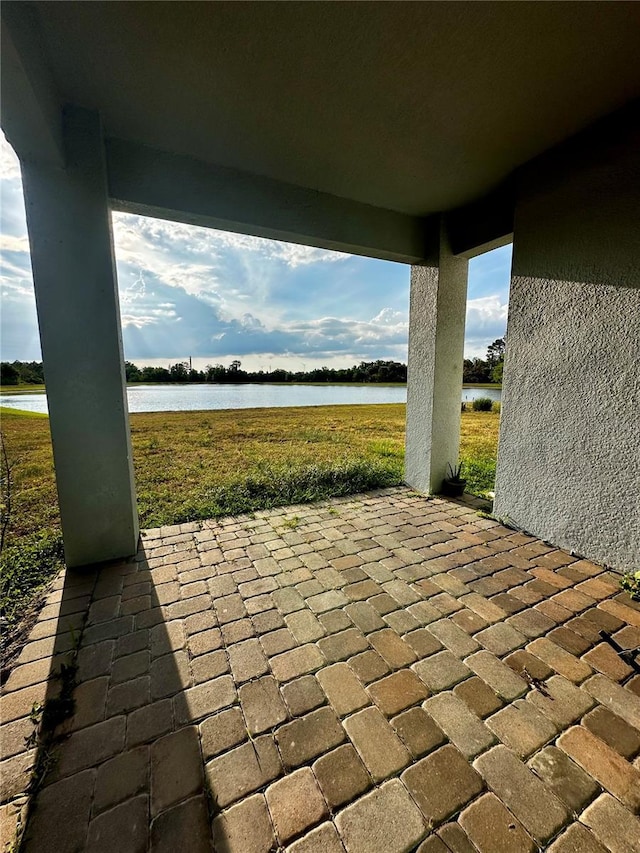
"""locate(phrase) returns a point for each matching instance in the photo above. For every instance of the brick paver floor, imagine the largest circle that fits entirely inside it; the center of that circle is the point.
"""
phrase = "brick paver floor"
(375, 674)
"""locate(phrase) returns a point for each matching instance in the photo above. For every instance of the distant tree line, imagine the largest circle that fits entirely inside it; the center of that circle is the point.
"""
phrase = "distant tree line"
(474, 370)
(488, 369)
(366, 371)
(21, 373)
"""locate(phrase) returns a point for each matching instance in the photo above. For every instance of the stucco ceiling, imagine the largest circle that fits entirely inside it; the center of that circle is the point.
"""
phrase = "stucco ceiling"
(416, 107)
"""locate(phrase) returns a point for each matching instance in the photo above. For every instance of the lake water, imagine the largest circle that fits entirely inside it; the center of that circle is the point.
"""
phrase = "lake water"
(173, 398)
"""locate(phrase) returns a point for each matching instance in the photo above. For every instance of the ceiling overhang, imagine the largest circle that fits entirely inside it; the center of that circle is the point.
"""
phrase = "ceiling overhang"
(345, 125)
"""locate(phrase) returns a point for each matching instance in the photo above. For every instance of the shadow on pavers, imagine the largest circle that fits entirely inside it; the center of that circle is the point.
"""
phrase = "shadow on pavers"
(117, 761)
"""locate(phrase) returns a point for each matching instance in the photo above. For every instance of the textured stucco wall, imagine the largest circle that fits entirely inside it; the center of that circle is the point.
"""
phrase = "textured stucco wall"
(434, 381)
(569, 454)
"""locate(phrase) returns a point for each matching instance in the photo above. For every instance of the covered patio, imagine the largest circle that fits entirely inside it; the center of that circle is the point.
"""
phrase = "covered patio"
(424, 133)
(383, 673)
(391, 672)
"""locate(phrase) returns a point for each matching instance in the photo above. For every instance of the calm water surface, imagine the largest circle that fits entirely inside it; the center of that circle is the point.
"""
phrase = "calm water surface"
(182, 398)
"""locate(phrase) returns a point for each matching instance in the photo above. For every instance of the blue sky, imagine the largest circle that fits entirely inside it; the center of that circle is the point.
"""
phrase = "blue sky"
(217, 296)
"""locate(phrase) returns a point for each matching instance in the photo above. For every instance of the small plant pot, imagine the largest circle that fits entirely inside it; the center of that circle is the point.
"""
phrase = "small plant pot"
(453, 488)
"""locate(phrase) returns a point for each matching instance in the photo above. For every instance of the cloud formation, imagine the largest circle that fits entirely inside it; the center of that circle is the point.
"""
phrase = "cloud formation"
(205, 293)
(486, 321)
(215, 295)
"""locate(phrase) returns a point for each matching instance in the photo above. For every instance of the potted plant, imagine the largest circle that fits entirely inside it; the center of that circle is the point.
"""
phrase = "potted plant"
(454, 483)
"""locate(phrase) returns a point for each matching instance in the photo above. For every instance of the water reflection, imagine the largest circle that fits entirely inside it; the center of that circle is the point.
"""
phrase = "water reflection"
(180, 398)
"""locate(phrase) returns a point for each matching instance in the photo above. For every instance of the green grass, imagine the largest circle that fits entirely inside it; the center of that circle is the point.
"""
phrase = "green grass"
(207, 464)
(21, 389)
(196, 465)
(480, 474)
(278, 485)
(8, 411)
(203, 464)
(26, 567)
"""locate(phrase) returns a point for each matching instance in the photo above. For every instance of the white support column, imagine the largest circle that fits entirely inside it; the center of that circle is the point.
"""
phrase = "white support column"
(77, 300)
(434, 383)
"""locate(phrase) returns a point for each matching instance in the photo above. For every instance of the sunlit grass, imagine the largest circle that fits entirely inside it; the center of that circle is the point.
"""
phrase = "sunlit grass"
(188, 464)
(23, 413)
(479, 450)
(34, 501)
(195, 465)
(212, 463)
(21, 389)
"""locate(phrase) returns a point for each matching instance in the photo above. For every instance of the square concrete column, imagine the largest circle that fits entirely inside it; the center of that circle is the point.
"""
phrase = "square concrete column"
(69, 224)
(434, 383)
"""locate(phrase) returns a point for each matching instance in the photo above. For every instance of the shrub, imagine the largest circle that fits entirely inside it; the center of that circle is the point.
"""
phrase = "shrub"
(482, 404)
(496, 408)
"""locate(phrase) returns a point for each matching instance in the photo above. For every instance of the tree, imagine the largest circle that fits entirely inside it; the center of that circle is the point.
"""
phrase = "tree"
(132, 372)
(8, 374)
(179, 372)
(495, 359)
(216, 373)
(495, 352)
(475, 371)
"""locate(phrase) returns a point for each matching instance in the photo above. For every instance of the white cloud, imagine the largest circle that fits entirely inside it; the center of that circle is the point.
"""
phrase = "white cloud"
(295, 255)
(224, 270)
(486, 321)
(486, 309)
(137, 321)
(291, 254)
(389, 317)
(215, 294)
(328, 333)
(221, 268)
(16, 276)
(9, 164)
(12, 243)
(141, 239)
(136, 290)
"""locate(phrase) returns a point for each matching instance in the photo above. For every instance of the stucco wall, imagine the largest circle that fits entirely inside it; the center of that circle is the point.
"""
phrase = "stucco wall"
(569, 454)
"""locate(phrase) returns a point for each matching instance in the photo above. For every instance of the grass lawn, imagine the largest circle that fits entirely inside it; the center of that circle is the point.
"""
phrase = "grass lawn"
(21, 389)
(192, 465)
